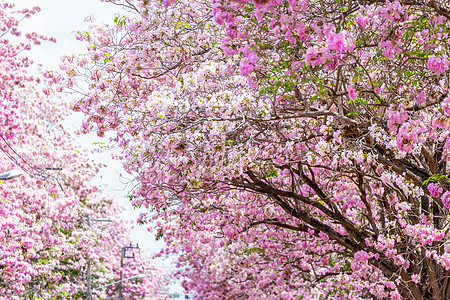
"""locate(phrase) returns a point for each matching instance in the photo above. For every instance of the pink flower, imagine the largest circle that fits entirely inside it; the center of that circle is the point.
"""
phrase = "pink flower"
(409, 134)
(390, 49)
(217, 14)
(247, 65)
(446, 105)
(351, 92)
(362, 21)
(438, 64)
(439, 235)
(338, 42)
(435, 189)
(315, 56)
(230, 70)
(446, 199)
(167, 3)
(226, 49)
(323, 236)
(395, 295)
(395, 118)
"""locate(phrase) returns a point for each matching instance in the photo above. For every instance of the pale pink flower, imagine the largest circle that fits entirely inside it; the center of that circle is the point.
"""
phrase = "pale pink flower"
(315, 56)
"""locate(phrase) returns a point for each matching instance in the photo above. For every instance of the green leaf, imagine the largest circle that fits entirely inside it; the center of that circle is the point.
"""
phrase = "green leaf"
(252, 250)
(434, 178)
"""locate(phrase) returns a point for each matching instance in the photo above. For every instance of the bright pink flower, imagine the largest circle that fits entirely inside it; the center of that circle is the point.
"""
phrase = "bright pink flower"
(446, 199)
(362, 21)
(247, 65)
(351, 92)
(438, 64)
(435, 189)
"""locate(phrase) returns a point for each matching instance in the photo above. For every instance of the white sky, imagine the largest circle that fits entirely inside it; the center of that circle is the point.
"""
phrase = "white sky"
(61, 19)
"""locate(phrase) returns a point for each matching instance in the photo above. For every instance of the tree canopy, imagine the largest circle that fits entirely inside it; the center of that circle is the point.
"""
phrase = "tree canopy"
(289, 149)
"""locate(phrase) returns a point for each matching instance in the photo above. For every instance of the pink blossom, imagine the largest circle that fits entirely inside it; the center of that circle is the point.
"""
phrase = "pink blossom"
(395, 118)
(435, 189)
(315, 56)
(438, 64)
(446, 199)
(395, 295)
(351, 92)
(362, 21)
(247, 64)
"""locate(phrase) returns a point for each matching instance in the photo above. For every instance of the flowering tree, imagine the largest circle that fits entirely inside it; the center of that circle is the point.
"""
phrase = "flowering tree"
(52, 245)
(290, 148)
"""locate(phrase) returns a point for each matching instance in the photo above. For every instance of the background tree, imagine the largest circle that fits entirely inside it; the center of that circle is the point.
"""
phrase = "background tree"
(290, 148)
(49, 238)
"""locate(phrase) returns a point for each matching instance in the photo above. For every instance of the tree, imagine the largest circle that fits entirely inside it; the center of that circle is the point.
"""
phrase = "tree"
(290, 148)
(52, 246)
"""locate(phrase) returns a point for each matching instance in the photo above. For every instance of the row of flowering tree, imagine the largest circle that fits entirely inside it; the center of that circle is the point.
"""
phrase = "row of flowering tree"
(291, 149)
(60, 237)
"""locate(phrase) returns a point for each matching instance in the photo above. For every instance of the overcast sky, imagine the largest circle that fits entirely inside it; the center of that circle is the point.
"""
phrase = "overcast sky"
(61, 19)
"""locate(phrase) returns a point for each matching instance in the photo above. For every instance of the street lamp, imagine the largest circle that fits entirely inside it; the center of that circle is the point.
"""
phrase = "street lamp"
(10, 174)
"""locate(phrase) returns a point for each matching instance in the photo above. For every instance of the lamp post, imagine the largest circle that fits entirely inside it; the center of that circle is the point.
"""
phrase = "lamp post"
(122, 256)
(88, 275)
(10, 174)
